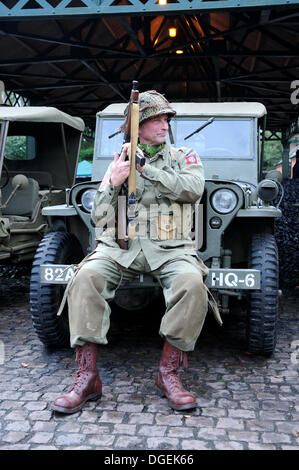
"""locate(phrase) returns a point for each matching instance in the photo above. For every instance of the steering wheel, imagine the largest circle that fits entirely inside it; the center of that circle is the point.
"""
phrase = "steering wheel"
(4, 176)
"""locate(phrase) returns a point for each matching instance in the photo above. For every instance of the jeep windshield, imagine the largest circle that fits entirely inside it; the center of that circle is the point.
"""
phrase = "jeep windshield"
(107, 146)
(223, 138)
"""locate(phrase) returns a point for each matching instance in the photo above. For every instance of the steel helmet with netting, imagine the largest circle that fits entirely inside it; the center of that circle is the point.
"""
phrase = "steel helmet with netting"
(153, 104)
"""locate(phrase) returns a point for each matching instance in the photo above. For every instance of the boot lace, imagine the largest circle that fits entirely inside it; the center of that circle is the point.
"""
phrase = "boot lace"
(175, 360)
(83, 368)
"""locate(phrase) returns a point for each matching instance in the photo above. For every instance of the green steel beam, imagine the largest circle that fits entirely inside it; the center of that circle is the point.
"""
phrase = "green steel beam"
(62, 8)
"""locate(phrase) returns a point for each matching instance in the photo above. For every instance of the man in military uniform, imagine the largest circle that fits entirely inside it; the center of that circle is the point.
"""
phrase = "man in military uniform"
(168, 185)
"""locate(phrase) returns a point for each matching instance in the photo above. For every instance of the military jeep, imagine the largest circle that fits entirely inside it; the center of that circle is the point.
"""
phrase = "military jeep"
(233, 226)
(39, 149)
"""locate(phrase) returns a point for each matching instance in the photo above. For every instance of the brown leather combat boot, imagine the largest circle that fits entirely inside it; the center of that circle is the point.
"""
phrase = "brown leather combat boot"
(87, 385)
(168, 381)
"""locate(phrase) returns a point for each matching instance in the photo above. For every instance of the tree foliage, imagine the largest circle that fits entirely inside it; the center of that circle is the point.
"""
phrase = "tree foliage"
(15, 148)
(87, 146)
(272, 152)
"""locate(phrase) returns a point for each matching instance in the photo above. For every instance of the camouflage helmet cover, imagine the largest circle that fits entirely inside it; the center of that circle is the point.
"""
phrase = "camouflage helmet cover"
(153, 104)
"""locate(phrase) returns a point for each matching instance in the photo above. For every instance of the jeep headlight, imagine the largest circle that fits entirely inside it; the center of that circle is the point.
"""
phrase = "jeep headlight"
(224, 200)
(87, 199)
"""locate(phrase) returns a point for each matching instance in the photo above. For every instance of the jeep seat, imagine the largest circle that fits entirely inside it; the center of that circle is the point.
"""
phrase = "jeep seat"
(44, 178)
(23, 202)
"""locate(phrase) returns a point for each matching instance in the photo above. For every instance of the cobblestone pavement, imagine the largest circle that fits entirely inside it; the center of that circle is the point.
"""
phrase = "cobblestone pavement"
(246, 402)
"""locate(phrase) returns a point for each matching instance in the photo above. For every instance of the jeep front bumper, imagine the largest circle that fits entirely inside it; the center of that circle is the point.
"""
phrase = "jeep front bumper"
(217, 279)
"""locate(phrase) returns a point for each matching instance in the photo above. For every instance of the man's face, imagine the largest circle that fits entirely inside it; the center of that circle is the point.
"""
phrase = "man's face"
(154, 130)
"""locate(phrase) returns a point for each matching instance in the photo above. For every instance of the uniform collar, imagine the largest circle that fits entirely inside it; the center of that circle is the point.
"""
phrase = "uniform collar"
(162, 153)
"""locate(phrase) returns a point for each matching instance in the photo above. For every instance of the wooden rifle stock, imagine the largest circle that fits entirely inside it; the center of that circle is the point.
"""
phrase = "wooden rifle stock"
(126, 217)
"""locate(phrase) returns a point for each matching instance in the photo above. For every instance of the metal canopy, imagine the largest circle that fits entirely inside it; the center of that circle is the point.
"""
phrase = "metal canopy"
(81, 55)
(22, 8)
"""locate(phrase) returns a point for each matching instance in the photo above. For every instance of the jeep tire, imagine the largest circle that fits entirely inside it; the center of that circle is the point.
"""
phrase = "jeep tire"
(55, 248)
(263, 304)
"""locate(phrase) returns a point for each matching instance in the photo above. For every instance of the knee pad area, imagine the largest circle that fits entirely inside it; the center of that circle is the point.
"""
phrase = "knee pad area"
(188, 282)
(88, 279)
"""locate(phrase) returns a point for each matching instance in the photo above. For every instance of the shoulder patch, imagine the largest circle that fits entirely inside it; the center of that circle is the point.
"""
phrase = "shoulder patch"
(192, 159)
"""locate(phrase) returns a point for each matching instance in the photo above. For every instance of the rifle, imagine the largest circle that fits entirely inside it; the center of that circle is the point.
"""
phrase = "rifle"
(126, 218)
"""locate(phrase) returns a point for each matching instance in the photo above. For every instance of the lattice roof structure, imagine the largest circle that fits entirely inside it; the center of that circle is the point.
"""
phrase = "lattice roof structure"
(81, 55)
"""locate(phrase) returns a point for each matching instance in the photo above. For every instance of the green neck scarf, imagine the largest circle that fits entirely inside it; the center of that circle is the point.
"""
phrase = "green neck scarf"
(151, 150)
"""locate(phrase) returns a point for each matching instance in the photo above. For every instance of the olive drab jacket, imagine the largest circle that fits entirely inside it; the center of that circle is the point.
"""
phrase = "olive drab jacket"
(169, 186)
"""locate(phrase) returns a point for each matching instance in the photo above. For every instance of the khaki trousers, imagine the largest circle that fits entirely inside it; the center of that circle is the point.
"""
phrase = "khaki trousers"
(96, 281)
